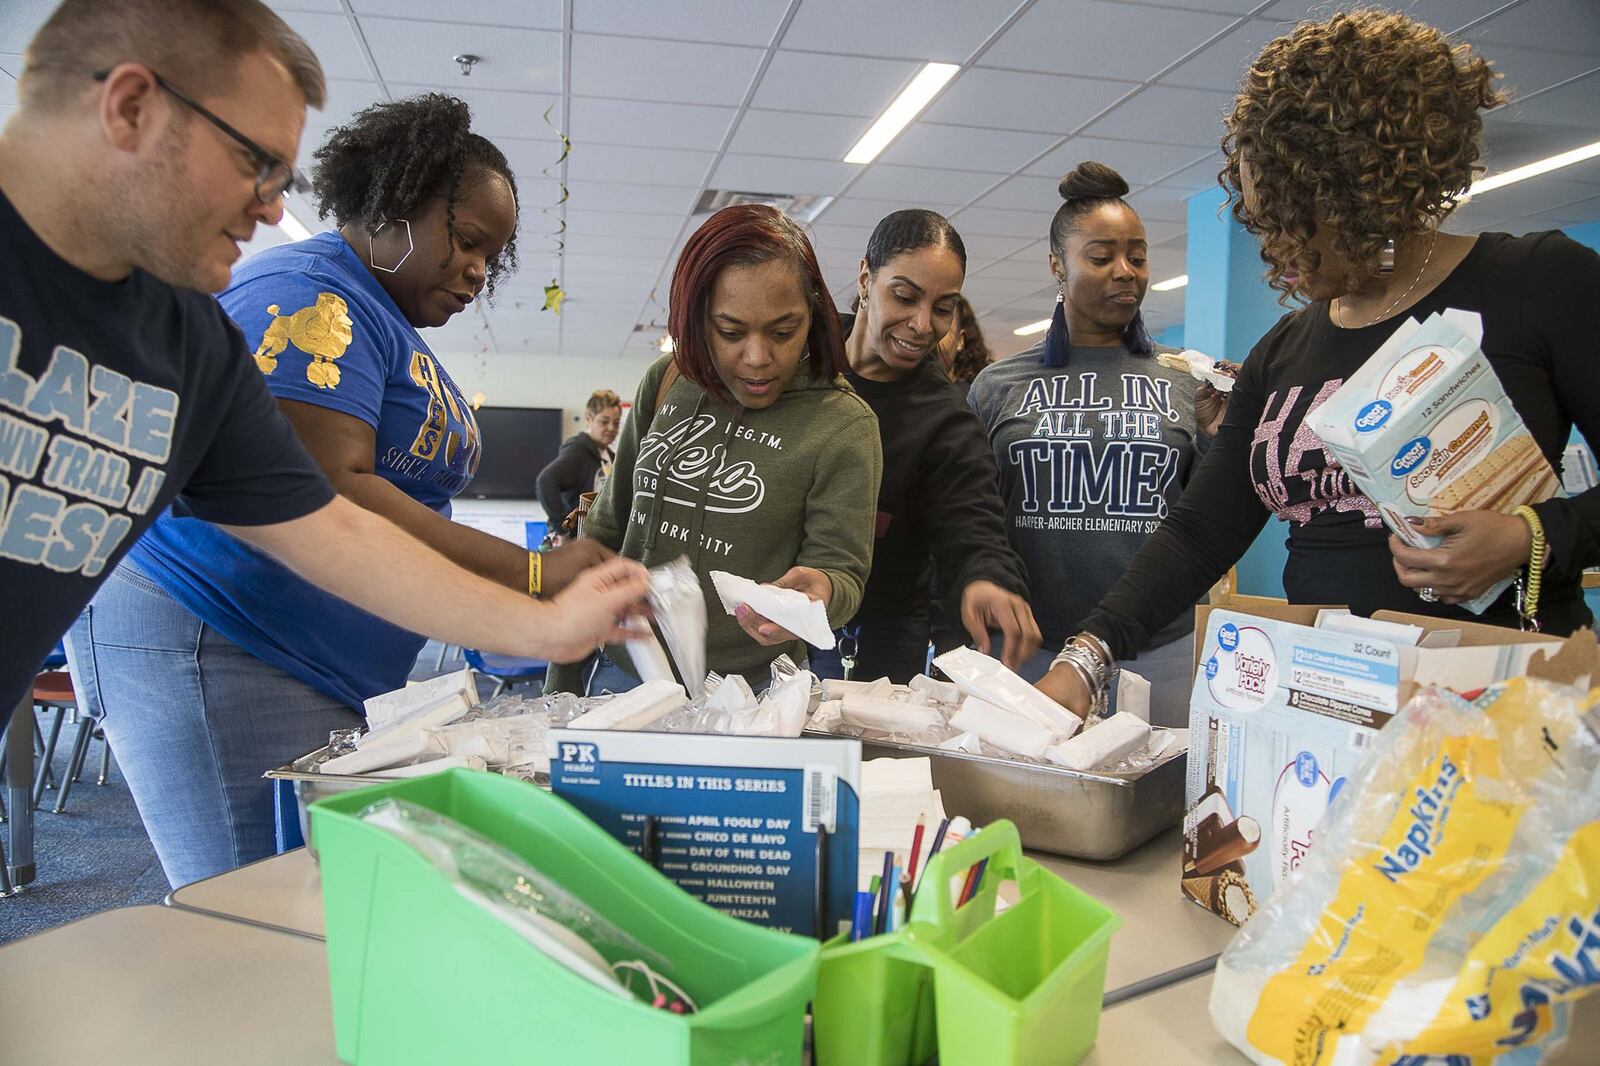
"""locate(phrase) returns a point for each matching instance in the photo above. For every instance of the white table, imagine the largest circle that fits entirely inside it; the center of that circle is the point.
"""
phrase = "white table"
(1172, 1027)
(1164, 937)
(164, 987)
(282, 893)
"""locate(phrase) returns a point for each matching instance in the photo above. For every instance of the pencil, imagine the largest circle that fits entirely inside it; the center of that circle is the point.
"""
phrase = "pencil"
(916, 849)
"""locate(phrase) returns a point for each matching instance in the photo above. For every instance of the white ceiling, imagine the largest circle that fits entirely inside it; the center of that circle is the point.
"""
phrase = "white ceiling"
(665, 99)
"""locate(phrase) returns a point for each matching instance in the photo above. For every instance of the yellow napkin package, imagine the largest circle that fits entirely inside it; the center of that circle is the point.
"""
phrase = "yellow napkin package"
(1450, 910)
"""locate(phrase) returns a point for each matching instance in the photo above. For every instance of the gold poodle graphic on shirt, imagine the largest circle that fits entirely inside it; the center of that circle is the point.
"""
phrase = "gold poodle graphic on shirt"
(321, 330)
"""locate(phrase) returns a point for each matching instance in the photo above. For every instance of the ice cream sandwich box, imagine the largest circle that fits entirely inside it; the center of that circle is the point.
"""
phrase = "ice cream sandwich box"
(1283, 710)
(1425, 428)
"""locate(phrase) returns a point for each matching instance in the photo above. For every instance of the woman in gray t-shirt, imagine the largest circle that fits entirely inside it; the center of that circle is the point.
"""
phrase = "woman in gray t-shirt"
(1094, 437)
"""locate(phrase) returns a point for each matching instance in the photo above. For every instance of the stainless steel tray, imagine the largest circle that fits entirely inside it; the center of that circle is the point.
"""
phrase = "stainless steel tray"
(310, 786)
(1078, 815)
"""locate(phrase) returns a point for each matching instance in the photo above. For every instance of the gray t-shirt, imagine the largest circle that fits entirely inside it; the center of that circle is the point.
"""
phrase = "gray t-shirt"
(1092, 456)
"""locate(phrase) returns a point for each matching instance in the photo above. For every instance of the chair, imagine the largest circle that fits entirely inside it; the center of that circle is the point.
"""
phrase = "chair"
(505, 670)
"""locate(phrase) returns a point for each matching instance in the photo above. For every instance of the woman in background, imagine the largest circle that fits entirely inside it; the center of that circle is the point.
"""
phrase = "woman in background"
(1348, 211)
(1095, 439)
(963, 352)
(746, 450)
(213, 662)
(939, 506)
(583, 464)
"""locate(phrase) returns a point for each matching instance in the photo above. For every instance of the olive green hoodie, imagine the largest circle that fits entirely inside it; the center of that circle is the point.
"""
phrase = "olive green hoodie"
(750, 492)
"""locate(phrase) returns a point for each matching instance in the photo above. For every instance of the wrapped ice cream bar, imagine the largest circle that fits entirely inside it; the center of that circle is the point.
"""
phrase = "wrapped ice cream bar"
(1000, 727)
(1103, 745)
(1426, 428)
(1218, 843)
(987, 678)
(834, 688)
(891, 716)
(635, 708)
(942, 691)
(1199, 366)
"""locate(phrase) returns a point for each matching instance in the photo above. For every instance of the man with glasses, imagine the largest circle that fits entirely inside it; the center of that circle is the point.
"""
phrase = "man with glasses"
(151, 138)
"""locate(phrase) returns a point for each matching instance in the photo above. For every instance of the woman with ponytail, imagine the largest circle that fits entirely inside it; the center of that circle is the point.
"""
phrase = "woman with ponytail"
(1094, 438)
(213, 662)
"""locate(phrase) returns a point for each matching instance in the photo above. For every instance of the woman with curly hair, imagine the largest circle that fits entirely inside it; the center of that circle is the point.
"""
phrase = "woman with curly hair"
(1350, 141)
(964, 352)
(215, 663)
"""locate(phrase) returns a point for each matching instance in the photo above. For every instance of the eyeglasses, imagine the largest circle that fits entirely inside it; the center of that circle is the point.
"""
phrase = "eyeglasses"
(274, 177)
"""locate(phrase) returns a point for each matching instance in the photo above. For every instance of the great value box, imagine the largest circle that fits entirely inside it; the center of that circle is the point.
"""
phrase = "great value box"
(1282, 711)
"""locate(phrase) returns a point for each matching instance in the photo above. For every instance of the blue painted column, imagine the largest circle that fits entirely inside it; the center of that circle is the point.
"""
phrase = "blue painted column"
(1227, 308)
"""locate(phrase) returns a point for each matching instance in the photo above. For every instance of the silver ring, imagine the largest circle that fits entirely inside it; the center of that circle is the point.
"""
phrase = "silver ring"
(1427, 594)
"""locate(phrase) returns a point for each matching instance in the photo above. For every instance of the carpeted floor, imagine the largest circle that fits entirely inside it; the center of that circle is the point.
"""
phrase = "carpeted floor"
(92, 857)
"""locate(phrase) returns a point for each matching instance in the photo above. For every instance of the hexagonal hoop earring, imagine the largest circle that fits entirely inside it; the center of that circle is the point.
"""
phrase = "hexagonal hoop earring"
(374, 259)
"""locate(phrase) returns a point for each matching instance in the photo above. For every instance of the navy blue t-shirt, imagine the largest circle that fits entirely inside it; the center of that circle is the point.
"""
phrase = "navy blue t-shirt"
(323, 332)
(115, 397)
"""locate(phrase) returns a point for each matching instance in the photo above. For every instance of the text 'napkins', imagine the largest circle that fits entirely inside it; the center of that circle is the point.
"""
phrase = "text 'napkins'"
(790, 608)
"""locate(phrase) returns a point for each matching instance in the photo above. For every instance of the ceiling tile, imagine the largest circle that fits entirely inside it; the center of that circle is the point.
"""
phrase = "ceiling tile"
(421, 53)
(1574, 214)
(1161, 204)
(984, 291)
(851, 240)
(333, 39)
(631, 68)
(1197, 176)
(611, 224)
(1527, 71)
(1039, 103)
(1223, 62)
(1168, 115)
(1575, 104)
(646, 199)
(649, 125)
(530, 155)
(20, 21)
(997, 222)
(1509, 143)
(774, 174)
(638, 166)
(941, 31)
(1159, 231)
(1543, 193)
(653, 249)
(1449, 15)
(1029, 265)
(831, 85)
(982, 247)
(1139, 162)
(1024, 193)
(496, 113)
(914, 186)
(853, 211)
(1091, 38)
(537, 14)
(345, 98)
(797, 134)
(927, 144)
(752, 22)
(1555, 25)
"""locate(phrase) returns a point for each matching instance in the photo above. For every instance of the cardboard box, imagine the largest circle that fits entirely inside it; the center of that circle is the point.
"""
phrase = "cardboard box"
(1282, 712)
(1425, 428)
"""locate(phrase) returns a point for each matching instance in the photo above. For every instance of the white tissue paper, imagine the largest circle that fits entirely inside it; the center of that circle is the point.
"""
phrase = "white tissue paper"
(942, 691)
(1133, 695)
(1103, 744)
(980, 675)
(790, 608)
(894, 794)
(1000, 727)
(635, 708)
(388, 708)
(828, 716)
(836, 689)
(869, 712)
(967, 742)
(782, 711)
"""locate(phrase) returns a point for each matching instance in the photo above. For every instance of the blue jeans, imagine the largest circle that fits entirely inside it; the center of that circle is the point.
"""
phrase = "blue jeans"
(195, 721)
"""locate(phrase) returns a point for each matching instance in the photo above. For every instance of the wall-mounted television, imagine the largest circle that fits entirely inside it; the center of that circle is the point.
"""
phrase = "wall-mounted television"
(518, 442)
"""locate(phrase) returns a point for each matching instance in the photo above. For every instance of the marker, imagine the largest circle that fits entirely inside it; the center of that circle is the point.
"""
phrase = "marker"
(894, 893)
(938, 842)
(884, 889)
(916, 850)
(861, 920)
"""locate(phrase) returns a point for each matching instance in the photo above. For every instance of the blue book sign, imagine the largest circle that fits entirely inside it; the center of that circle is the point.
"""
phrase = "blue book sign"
(760, 828)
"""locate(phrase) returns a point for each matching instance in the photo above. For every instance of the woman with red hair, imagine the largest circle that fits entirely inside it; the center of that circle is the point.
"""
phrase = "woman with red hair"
(746, 450)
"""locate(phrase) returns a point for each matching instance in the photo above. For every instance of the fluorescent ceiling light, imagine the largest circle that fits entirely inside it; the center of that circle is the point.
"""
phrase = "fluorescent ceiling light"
(898, 115)
(1031, 328)
(1543, 166)
(1171, 283)
(292, 227)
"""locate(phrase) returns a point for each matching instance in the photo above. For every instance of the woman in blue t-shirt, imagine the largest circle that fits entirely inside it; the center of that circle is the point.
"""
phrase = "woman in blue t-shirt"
(215, 663)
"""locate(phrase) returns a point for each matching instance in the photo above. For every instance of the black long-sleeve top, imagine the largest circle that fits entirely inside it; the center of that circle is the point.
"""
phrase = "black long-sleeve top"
(1535, 294)
(570, 475)
(938, 507)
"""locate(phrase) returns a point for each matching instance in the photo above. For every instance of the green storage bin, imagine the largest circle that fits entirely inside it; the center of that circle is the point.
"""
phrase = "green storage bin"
(421, 975)
(974, 987)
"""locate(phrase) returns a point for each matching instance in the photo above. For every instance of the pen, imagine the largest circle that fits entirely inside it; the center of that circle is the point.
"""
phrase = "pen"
(892, 923)
(861, 921)
(884, 889)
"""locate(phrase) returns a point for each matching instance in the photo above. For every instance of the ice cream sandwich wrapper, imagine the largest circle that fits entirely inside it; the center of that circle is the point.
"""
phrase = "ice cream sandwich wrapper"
(1426, 428)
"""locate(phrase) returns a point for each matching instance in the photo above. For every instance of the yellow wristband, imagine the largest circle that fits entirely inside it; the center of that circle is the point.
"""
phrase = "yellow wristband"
(1529, 607)
(535, 573)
